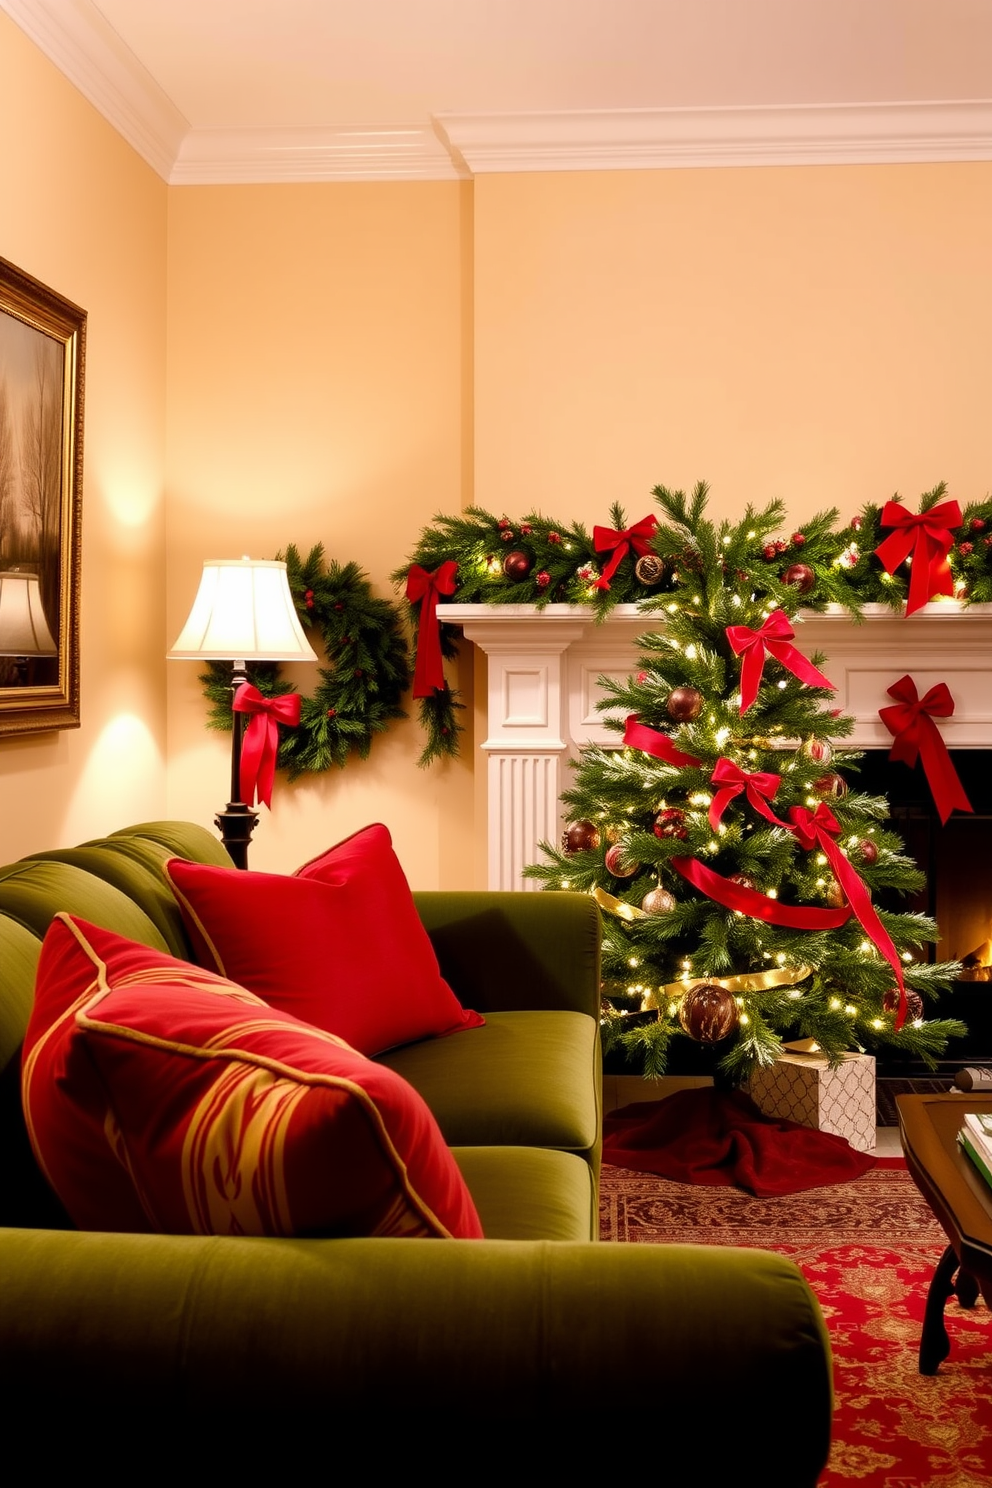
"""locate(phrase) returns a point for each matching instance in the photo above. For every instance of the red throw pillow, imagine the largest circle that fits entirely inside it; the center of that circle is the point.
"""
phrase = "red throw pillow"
(338, 944)
(216, 1113)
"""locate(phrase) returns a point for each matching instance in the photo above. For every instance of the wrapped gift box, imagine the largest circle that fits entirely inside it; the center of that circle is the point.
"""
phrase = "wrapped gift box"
(803, 1088)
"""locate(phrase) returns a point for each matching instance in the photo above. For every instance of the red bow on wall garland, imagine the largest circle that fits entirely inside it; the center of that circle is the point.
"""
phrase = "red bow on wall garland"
(652, 741)
(910, 720)
(428, 671)
(928, 538)
(773, 637)
(636, 537)
(260, 745)
(820, 828)
(730, 779)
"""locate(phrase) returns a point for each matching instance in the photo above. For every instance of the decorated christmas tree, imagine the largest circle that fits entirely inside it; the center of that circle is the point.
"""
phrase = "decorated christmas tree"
(735, 861)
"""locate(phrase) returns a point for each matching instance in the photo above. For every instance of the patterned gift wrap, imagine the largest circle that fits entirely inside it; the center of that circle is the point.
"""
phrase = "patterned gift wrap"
(803, 1088)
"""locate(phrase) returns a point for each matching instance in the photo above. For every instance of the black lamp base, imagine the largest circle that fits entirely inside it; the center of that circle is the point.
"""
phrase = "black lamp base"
(236, 824)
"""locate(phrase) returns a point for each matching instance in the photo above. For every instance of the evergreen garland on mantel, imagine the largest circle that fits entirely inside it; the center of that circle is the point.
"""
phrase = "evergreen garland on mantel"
(539, 560)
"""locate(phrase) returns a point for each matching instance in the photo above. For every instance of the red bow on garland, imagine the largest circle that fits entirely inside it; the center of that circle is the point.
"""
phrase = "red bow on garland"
(428, 671)
(773, 637)
(928, 538)
(636, 537)
(260, 745)
(820, 828)
(759, 787)
(910, 720)
(652, 741)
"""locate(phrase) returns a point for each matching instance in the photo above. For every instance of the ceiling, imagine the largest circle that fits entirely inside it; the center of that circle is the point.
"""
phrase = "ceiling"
(256, 90)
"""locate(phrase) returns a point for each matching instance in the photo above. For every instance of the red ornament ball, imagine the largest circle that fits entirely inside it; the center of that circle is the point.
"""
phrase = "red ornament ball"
(708, 1013)
(543, 579)
(670, 823)
(914, 1003)
(857, 523)
(817, 750)
(580, 836)
(799, 576)
(618, 863)
(831, 784)
(517, 565)
(649, 570)
(868, 851)
(658, 902)
(977, 524)
(684, 704)
(769, 551)
(798, 538)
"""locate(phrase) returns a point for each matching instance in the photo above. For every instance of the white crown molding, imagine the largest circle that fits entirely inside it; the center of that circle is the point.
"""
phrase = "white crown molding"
(74, 36)
(257, 156)
(659, 139)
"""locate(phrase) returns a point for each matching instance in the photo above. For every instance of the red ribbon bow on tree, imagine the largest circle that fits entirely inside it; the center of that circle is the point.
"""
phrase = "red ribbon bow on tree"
(260, 745)
(820, 828)
(773, 637)
(428, 671)
(652, 741)
(910, 720)
(928, 537)
(636, 537)
(730, 779)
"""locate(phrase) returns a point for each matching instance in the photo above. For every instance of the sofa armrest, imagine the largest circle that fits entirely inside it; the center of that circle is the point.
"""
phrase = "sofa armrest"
(503, 952)
(511, 1343)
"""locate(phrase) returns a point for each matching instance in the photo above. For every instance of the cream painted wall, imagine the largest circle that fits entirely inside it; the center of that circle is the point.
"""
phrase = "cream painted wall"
(81, 212)
(820, 334)
(319, 390)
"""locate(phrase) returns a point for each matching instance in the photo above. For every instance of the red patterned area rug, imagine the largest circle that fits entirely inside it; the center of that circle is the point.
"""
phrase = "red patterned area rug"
(868, 1249)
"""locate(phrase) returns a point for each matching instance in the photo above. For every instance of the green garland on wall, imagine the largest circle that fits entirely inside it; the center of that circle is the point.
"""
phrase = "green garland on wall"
(538, 560)
(359, 691)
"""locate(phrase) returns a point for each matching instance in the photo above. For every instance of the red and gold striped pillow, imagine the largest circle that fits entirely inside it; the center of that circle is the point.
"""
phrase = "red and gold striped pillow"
(162, 1097)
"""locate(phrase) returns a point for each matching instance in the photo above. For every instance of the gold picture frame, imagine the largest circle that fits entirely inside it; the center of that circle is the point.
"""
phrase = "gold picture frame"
(42, 361)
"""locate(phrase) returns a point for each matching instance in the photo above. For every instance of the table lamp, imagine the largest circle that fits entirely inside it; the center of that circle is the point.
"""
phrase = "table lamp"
(24, 632)
(243, 611)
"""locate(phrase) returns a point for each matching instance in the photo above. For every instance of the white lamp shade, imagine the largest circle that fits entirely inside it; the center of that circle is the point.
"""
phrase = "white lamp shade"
(243, 611)
(23, 628)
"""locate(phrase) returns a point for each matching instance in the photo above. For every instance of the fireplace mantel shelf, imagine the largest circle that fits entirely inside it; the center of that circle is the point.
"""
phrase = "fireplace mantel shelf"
(544, 671)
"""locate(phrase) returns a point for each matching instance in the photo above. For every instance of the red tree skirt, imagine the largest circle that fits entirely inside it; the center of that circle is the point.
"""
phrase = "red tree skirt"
(720, 1137)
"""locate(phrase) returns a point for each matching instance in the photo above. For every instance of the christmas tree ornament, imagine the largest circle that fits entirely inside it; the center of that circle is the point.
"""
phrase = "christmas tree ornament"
(773, 639)
(817, 750)
(649, 570)
(684, 704)
(799, 576)
(618, 543)
(830, 785)
(914, 1003)
(613, 834)
(709, 1013)
(834, 894)
(670, 823)
(517, 565)
(580, 836)
(868, 851)
(658, 902)
(618, 863)
(543, 579)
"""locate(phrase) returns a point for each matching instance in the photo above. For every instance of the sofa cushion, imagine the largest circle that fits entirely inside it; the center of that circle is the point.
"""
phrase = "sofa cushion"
(339, 944)
(215, 1113)
(530, 1193)
(527, 1078)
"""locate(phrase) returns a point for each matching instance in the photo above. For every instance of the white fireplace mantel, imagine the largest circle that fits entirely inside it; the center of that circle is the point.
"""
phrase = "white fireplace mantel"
(545, 666)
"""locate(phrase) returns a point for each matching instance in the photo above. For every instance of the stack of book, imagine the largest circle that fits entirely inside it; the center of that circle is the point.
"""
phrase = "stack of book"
(976, 1139)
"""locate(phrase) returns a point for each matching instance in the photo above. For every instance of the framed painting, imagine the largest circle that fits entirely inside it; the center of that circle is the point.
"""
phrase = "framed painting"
(42, 358)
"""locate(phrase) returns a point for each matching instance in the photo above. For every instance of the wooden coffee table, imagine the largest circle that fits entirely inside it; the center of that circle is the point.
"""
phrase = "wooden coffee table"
(960, 1199)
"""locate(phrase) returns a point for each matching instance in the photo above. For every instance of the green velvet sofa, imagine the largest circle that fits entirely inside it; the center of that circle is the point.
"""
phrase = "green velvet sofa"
(528, 1336)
